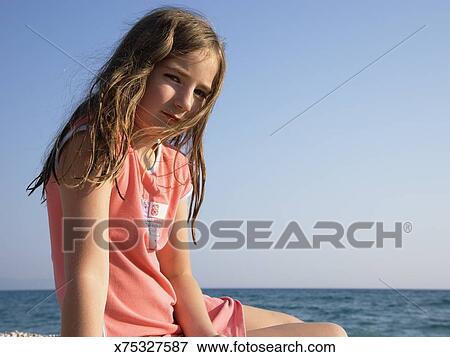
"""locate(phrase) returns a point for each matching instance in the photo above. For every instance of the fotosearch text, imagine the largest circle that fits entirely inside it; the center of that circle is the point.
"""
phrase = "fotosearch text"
(125, 234)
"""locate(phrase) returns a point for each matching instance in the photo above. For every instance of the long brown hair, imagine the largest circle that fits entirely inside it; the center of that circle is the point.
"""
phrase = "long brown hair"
(115, 92)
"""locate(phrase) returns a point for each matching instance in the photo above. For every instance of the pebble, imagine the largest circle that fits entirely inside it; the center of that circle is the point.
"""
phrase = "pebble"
(23, 334)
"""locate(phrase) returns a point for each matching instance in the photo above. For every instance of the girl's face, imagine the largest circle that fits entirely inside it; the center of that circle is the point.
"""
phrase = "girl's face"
(176, 89)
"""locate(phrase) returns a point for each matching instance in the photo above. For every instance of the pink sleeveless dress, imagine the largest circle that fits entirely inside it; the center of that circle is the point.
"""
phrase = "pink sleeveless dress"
(140, 300)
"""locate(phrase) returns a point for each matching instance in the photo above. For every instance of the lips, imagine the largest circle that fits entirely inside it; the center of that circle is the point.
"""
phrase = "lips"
(171, 116)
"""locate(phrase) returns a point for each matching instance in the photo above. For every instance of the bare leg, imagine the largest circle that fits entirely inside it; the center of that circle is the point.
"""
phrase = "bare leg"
(319, 329)
(256, 318)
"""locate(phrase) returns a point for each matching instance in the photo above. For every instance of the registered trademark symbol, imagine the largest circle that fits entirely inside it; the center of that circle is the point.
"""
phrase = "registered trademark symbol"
(407, 227)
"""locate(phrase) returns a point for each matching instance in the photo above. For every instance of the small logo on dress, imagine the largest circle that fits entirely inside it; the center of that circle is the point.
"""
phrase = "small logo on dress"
(154, 209)
(154, 214)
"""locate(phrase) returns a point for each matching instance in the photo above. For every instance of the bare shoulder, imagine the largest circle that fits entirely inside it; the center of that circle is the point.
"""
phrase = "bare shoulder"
(74, 159)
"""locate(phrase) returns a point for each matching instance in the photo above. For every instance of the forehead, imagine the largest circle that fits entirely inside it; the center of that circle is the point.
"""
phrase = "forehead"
(200, 65)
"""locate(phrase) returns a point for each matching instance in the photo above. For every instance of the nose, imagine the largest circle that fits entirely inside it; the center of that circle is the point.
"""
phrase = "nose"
(184, 100)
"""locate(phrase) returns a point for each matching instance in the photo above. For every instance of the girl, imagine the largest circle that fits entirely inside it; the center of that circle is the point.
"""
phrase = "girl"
(129, 160)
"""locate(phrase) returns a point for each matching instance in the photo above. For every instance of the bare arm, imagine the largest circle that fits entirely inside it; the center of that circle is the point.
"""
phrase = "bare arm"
(86, 261)
(190, 309)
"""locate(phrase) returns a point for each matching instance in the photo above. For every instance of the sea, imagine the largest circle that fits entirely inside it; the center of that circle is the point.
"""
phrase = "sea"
(362, 312)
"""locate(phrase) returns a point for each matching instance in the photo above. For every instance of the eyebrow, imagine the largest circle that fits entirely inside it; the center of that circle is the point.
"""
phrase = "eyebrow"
(185, 74)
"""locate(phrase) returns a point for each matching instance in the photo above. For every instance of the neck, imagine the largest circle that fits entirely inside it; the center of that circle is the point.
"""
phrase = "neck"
(147, 153)
(145, 146)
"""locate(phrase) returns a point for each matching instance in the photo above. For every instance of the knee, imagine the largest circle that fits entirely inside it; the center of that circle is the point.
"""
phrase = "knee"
(335, 330)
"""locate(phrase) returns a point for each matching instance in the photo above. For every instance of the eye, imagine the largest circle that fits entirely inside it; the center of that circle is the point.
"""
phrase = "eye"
(176, 79)
(172, 77)
(202, 94)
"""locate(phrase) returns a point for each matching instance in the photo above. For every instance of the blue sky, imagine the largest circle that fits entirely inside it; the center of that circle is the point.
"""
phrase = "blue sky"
(376, 149)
